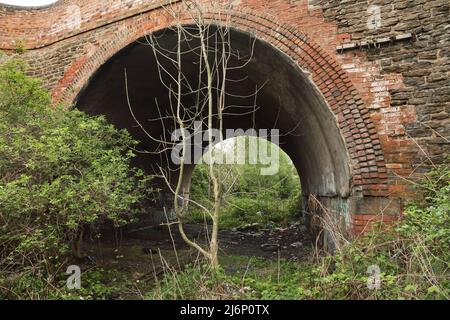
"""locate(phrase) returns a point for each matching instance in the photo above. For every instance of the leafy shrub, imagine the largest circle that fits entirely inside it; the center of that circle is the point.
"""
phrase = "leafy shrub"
(96, 284)
(413, 255)
(261, 209)
(429, 219)
(60, 172)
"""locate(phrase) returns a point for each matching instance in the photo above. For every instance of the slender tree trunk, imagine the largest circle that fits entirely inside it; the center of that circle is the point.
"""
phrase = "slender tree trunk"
(77, 244)
(210, 98)
(214, 245)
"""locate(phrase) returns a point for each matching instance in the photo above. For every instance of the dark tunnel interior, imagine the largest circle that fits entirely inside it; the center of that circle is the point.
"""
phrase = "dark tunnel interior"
(286, 99)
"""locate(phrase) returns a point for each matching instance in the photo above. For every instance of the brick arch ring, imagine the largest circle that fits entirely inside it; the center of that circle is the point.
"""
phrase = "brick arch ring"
(353, 118)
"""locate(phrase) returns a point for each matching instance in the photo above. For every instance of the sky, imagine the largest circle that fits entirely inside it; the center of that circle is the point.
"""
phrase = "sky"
(28, 2)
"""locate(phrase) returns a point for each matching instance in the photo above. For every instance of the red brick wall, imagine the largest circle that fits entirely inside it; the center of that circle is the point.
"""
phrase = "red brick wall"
(364, 223)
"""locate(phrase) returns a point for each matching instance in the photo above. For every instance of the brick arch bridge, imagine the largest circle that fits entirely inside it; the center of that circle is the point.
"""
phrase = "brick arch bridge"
(363, 123)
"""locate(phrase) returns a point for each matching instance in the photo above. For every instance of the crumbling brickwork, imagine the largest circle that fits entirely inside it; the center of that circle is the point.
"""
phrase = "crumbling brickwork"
(416, 72)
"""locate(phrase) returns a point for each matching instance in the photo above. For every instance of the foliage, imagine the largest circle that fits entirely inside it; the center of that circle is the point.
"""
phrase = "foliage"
(430, 217)
(251, 197)
(240, 277)
(263, 210)
(60, 172)
(413, 255)
(96, 284)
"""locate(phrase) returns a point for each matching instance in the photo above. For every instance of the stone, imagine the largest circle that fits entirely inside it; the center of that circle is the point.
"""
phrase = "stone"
(297, 245)
(249, 228)
(270, 247)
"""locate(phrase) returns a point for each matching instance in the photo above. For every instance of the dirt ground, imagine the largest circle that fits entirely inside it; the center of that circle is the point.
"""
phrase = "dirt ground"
(144, 253)
(290, 243)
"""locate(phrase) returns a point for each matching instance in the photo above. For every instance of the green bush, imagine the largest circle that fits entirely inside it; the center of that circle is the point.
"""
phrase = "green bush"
(413, 255)
(96, 284)
(261, 209)
(60, 172)
(429, 220)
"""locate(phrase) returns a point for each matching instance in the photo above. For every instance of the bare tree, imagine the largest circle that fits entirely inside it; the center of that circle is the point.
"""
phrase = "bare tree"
(209, 42)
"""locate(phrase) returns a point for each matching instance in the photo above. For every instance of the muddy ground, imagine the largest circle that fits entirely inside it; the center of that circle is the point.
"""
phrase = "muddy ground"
(141, 254)
(290, 243)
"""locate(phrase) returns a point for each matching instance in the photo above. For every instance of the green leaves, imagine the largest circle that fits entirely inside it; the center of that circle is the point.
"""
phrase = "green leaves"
(413, 257)
(429, 219)
(21, 97)
(59, 172)
(251, 197)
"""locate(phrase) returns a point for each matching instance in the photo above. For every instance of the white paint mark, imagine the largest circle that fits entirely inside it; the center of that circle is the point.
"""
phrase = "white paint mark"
(374, 20)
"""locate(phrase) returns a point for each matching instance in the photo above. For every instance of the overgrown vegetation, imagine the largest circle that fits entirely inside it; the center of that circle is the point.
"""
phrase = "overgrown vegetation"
(240, 277)
(250, 198)
(412, 257)
(61, 172)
